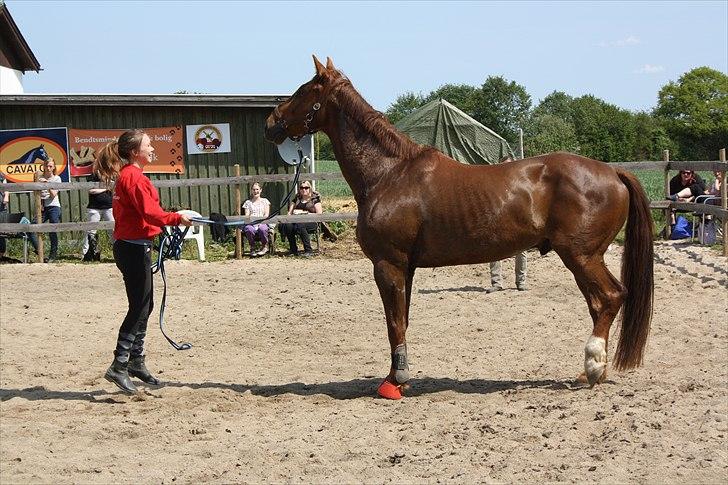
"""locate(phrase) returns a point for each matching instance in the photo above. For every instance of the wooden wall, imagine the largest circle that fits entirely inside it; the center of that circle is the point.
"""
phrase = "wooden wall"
(249, 149)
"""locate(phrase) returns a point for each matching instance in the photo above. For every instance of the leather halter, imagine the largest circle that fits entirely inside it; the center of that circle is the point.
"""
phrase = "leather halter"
(308, 118)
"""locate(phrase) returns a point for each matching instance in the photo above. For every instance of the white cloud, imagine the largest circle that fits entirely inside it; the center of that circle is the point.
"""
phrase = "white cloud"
(649, 69)
(627, 41)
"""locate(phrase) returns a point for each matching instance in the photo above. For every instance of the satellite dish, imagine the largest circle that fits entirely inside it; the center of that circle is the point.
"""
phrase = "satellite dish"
(293, 152)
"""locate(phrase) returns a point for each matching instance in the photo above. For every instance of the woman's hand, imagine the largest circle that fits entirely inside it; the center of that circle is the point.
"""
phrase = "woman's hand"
(184, 220)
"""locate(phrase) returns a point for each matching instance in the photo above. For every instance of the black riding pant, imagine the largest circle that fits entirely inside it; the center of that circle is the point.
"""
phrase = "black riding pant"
(290, 230)
(135, 263)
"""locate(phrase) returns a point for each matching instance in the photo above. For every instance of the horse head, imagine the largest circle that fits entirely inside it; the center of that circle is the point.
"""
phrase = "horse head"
(42, 153)
(305, 111)
(31, 155)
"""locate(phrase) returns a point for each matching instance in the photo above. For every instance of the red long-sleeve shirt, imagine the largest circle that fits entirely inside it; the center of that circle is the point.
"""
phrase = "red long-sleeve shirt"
(136, 208)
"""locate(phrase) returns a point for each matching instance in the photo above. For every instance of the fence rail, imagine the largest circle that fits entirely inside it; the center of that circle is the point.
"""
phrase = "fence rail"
(665, 165)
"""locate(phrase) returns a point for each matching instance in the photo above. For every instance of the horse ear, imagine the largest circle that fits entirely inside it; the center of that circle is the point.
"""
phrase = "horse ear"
(320, 69)
(329, 64)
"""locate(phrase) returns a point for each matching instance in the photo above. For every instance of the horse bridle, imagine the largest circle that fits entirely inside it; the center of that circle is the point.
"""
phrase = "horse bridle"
(308, 119)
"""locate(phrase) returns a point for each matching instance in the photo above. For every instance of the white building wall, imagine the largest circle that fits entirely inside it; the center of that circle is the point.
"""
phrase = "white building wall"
(11, 81)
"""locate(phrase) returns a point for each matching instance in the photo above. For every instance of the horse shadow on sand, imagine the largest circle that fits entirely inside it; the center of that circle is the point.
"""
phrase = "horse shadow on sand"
(341, 390)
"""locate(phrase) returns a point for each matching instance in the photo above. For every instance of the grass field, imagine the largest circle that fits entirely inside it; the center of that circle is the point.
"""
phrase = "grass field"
(337, 196)
(652, 181)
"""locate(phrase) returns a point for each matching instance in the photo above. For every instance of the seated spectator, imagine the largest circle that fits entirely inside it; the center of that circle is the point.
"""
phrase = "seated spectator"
(51, 206)
(259, 208)
(714, 188)
(685, 186)
(305, 202)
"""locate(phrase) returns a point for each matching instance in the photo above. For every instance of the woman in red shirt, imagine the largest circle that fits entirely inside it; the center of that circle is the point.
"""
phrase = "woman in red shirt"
(139, 219)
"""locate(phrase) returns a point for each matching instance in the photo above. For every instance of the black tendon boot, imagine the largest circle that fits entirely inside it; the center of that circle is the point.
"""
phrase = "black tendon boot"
(118, 374)
(138, 368)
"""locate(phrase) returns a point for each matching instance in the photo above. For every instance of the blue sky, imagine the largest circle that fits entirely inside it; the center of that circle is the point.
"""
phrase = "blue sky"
(621, 52)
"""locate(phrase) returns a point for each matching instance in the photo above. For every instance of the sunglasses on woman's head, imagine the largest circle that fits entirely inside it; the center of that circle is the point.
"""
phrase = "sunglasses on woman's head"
(305, 188)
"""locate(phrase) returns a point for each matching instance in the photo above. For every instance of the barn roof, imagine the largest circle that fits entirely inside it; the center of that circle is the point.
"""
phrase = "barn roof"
(212, 100)
(14, 50)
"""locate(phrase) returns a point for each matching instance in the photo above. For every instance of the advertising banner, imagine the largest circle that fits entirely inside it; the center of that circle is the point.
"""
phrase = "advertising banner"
(211, 138)
(22, 152)
(168, 156)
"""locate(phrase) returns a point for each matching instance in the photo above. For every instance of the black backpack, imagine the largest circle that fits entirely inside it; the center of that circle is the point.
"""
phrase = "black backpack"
(219, 230)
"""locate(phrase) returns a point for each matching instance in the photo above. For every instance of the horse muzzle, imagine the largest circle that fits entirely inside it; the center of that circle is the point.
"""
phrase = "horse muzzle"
(275, 131)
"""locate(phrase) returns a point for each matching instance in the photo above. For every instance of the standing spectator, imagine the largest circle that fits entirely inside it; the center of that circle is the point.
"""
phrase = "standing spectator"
(496, 276)
(138, 220)
(98, 209)
(305, 202)
(4, 200)
(259, 208)
(51, 207)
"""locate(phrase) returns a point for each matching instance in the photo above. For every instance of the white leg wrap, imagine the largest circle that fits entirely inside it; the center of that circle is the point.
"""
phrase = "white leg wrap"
(595, 358)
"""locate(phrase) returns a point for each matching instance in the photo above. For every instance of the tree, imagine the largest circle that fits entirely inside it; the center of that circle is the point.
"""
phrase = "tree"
(695, 112)
(651, 138)
(549, 133)
(604, 131)
(404, 105)
(463, 96)
(558, 104)
(503, 107)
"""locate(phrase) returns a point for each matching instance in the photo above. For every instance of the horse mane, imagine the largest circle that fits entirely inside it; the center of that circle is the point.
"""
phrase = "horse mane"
(375, 123)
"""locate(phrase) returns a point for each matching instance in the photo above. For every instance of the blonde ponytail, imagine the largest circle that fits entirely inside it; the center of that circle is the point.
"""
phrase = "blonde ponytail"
(108, 163)
(116, 154)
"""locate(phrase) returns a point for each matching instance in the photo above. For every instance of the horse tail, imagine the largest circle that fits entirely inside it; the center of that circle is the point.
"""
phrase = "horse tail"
(637, 276)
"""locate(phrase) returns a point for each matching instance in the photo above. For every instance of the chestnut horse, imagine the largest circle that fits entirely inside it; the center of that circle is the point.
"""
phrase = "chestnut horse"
(419, 208)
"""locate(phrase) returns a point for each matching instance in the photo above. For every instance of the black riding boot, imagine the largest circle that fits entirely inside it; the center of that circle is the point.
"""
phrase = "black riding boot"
(92, 248)
(138, 368)
(119, 375)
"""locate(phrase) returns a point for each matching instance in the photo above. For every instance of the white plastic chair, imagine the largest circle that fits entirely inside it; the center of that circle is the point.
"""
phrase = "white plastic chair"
(195, 232)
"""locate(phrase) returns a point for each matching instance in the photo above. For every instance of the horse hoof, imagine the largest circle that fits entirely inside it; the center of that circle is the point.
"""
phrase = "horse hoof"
(595, 360)
(583, 379)
(387, 390)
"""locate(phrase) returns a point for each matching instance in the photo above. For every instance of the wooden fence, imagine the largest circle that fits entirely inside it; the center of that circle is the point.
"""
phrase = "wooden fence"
(666, 165)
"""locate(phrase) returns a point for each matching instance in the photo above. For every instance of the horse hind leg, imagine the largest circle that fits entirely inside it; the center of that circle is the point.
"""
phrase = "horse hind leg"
(604, 295)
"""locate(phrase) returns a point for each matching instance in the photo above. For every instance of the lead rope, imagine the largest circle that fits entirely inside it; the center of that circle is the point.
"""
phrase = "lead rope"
(170, 247)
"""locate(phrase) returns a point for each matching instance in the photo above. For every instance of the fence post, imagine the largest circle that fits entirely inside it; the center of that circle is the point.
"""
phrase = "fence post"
(238, 234)
(724, 202)
(668, 211)
(38, 218)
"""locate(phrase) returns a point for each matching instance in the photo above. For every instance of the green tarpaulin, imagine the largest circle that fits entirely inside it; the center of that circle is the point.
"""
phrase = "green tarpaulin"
(443, 126)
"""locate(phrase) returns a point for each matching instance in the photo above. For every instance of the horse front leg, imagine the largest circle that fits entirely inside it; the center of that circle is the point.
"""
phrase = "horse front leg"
(392, 281)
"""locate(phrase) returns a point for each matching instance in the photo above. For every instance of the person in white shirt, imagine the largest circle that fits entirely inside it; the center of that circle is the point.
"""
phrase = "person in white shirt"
(259, 208)
(51, 206)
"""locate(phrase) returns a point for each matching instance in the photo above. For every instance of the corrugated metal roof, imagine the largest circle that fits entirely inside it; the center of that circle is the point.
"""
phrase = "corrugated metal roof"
(230, 100)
